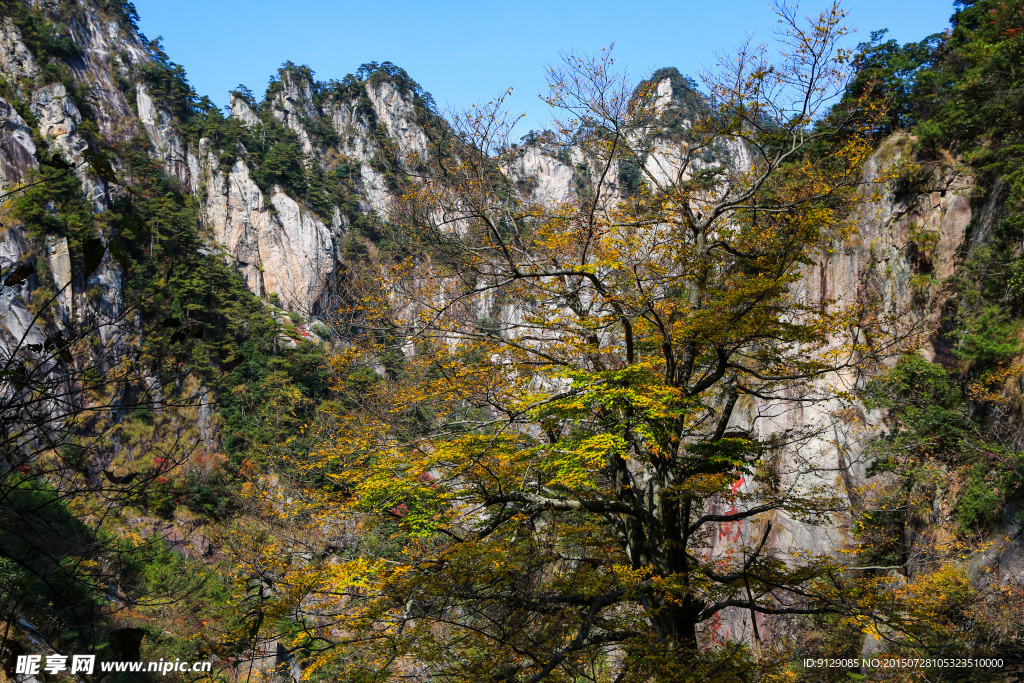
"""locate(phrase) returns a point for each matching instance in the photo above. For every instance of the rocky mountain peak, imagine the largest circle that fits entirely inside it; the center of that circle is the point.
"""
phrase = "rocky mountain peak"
(290, 96)
(241, 109)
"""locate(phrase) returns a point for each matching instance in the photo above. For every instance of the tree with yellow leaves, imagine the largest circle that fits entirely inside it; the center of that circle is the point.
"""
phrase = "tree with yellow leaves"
(566, 448)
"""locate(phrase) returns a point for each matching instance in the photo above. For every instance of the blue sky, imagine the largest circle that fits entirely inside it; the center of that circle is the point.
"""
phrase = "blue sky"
(464, 52)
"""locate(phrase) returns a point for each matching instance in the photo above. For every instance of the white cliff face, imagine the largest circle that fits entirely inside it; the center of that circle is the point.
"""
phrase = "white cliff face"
(17, 149)
(292, 104)
(17, 159)
(236, 212)
(14, 317)
(877, 260)
(666, 163)
(166, 143)
(58, 119)
(104, 44)
(16, 61)
(552, 179)
(279, 246)
(298, 259)
(353, 130)
(397, 113)
(294, 101)
(241, 110)
(873, 264)
(663, 95)
(376, 196)
(58, 257)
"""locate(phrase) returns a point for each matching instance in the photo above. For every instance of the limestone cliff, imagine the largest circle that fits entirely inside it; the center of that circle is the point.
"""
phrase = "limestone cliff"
(285, 248)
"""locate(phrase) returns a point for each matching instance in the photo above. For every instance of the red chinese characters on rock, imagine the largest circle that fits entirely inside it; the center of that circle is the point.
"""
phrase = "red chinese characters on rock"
(730, 531)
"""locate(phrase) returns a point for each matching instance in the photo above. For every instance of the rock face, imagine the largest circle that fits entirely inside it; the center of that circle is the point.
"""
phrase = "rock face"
(880, 262)
(397, 113)
(553, 179)
(167, 146)
(15, 58)
(237, 212)
(282, 246)
(59, 260)
(58, 119)
(17, 149)
(241, 110)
